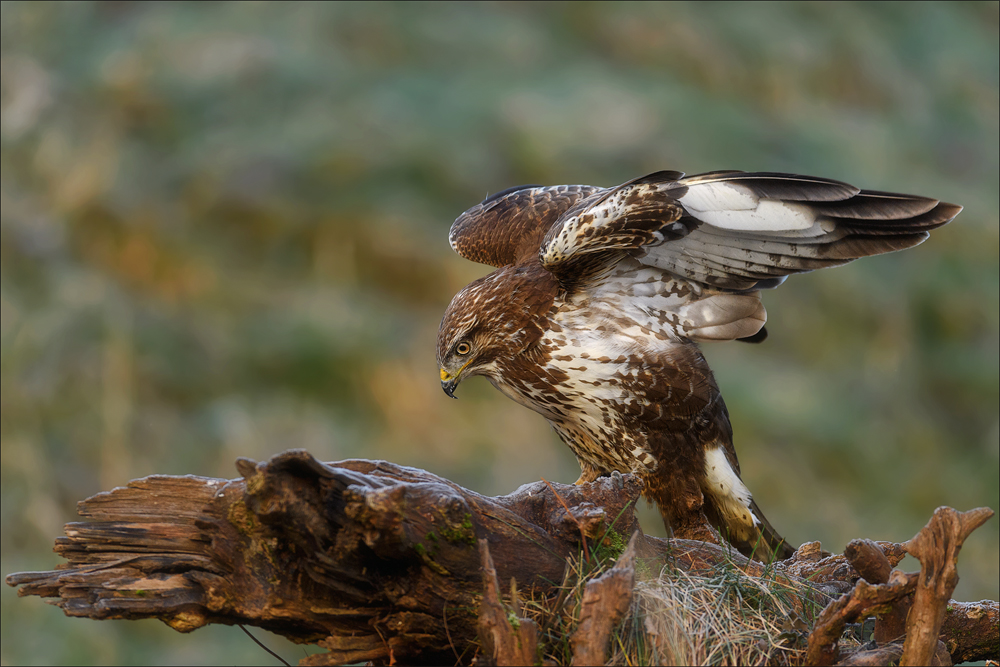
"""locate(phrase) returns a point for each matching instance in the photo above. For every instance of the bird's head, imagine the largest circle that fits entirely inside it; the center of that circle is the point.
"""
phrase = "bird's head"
(491, 320)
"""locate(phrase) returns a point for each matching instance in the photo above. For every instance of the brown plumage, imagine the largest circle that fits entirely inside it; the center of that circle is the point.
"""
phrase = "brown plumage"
(601, 295)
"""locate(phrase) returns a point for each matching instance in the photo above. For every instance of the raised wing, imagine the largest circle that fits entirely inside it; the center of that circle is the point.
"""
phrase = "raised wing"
(632, 215)
(510, 224)
(736, 230)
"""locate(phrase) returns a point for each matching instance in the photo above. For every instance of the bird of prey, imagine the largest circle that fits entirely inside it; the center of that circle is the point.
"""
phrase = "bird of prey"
(601, 296)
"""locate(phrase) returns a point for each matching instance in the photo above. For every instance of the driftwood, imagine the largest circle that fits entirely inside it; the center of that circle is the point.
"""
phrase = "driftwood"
(922, 599)
(379, 562)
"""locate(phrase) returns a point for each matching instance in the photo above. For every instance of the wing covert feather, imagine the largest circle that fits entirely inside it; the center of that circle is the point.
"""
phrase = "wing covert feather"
(637, 213)
(506, 226)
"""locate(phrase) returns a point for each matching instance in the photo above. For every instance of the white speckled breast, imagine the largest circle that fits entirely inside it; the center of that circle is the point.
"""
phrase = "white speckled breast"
(602, 341)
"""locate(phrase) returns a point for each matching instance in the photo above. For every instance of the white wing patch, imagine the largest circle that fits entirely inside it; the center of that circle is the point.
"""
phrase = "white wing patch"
(719, 196)
(736, 207)
(731, 495)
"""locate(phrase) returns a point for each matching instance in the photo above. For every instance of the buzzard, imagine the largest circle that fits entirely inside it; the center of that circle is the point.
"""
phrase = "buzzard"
(601, 296)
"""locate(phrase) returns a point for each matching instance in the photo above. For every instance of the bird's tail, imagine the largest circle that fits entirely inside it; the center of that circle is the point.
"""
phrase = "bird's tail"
(763, 544)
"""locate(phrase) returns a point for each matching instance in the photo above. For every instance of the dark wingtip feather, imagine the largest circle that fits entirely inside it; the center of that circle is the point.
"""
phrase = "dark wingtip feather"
(866, 245)
(758, 337)
(941, 214)
(773, 185)
(872, 205)
(938, 216)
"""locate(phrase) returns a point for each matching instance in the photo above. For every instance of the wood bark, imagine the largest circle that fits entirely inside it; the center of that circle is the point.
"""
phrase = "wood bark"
(379, 562)
(606, 599)
(936, 546)
(921, 600)
(508, 638)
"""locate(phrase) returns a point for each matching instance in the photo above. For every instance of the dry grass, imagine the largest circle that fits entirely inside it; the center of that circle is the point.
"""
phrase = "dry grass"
(677, 618)
(727, 619)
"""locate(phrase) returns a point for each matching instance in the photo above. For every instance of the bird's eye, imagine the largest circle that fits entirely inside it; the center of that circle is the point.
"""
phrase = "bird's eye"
(463, 348)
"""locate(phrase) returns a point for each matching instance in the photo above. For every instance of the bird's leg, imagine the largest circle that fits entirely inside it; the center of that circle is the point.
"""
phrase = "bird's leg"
(692, 526)
(682, 506)
(587, 474)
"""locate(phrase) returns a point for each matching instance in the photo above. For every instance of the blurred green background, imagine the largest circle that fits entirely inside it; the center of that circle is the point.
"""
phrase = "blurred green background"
(224, 233)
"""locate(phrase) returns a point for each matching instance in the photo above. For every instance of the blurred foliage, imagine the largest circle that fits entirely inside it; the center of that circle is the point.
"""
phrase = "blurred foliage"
(223, 233)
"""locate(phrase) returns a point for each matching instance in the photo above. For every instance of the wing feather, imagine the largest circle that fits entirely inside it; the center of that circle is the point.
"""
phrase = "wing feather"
(729, 229)
(509, 224)
(874, 205)
(640, 212)
(733, 230)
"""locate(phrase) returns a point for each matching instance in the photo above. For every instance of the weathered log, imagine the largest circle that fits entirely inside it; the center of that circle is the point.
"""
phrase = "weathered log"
(606, 599)
(971, 631)
(375, 561)
(365, 558)
(508, 637)
(810, 562)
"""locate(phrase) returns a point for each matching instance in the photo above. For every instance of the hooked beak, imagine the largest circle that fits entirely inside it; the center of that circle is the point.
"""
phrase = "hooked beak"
(448, 383)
